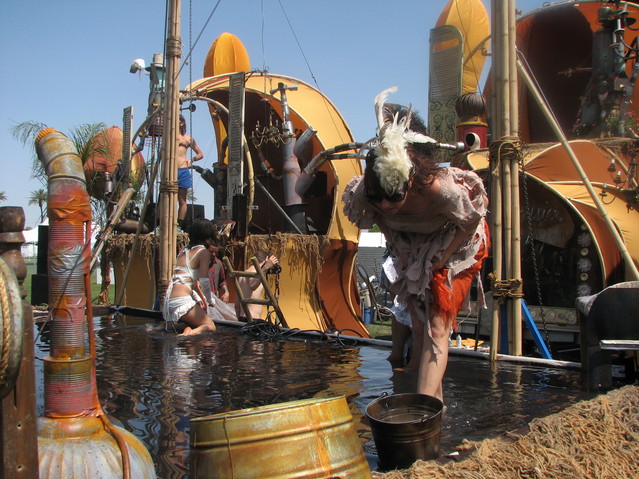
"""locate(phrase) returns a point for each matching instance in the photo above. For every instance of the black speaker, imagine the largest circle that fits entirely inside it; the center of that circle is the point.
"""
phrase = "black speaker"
(193, 212)
(39, 289)
(151, 216)
(43, 249)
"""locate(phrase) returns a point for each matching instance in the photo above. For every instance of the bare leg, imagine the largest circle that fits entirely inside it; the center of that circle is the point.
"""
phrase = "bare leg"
(418, 346)
(198, 322)
(400, 334)
(433, 366)
(182, 203)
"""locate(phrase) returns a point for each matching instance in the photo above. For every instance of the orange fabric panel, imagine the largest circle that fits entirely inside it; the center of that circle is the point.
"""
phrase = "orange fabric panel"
(338, 290)
(554, 164)
(448, 301)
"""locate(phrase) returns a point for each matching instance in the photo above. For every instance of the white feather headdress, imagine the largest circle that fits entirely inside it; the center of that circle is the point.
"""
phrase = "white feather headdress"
(393, 165)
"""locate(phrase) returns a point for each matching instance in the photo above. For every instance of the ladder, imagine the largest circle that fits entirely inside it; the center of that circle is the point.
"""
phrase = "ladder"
(270, 299)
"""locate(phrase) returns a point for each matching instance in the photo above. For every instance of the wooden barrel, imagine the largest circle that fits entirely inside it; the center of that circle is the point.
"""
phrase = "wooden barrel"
(310, 438)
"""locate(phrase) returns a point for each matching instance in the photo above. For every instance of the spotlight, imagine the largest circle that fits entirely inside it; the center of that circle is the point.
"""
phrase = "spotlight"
(137, 65)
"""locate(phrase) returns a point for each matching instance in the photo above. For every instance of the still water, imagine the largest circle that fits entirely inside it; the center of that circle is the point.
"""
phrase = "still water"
(152, 383)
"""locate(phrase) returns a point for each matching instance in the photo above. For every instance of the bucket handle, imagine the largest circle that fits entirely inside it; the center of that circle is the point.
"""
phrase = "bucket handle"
(382, 396)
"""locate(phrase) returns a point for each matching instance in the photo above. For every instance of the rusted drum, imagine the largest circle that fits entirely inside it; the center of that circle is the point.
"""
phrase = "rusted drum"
(405, 427)
(310, 438)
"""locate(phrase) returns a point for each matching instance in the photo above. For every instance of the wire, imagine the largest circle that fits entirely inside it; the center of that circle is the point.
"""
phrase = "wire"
(186, 59)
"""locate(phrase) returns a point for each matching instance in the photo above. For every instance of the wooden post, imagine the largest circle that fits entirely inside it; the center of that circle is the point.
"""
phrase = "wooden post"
(18, 409)
(168, 185)
(505, 174)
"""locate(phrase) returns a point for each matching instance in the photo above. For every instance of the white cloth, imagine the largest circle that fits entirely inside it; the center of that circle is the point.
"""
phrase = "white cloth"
(401, 313)
(175, 308)
(221, 310)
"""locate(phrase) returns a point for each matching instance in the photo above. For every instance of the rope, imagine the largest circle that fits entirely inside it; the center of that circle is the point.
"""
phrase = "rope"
(6, 332)
(507, 148)
(169, 187)
(505, 288)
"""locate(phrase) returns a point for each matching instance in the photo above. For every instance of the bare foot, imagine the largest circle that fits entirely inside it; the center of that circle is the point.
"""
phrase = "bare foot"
(187, 331)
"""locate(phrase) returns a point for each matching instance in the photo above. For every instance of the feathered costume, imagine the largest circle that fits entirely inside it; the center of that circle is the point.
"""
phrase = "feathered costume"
(418, 241)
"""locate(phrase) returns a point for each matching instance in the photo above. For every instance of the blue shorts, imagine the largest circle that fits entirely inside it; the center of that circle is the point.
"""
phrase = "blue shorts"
(184, 178)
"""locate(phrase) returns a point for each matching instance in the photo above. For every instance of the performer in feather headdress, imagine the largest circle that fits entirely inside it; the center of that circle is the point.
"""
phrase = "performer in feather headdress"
(433, 218)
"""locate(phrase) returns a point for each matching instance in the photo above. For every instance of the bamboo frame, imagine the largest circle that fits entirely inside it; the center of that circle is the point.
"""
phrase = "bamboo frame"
(168, 190)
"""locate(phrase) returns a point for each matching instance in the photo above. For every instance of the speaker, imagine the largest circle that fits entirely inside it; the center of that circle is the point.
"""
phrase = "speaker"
(39, 289)
(193, 212)
(43, 249)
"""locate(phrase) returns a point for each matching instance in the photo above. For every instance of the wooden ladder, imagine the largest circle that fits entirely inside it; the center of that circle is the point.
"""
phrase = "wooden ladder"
(270, 299)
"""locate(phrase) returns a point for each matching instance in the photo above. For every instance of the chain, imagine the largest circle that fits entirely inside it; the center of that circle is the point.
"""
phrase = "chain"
(532, 249)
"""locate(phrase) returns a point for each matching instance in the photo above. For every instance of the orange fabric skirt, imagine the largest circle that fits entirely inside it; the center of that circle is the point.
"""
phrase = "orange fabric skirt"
(447, 301)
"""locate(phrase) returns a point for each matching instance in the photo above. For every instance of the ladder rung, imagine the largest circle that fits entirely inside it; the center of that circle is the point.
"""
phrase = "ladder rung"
(257, 301)
(244, 274)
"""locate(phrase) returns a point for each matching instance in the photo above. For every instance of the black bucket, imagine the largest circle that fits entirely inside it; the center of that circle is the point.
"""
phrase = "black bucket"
(405, 427)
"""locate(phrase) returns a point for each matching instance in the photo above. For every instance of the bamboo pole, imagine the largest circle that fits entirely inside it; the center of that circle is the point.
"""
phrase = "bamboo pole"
(515, 238)
(168, 184)
(630, 264)
(495, 168)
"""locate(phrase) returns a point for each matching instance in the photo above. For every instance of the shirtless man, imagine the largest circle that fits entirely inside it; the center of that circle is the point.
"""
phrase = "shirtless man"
(184, 175)
(253, 287)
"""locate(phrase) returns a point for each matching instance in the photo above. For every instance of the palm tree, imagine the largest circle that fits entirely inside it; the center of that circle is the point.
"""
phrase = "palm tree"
(39, 197)
(3, 196)
(83, 136)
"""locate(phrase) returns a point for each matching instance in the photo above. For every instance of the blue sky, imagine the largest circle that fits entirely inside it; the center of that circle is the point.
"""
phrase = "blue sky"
(66, 63)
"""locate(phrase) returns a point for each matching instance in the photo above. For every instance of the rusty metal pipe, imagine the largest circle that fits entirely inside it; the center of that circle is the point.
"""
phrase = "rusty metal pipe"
(69, 389)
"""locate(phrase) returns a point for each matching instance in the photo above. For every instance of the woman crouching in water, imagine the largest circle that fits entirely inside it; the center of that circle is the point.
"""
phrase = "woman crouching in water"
(433, 219)
(189, 292)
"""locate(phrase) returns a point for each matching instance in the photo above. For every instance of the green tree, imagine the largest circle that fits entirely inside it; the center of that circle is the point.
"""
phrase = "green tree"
(3, 196)
(39, 197)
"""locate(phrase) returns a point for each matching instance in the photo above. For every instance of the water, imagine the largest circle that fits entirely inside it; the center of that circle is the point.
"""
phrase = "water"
(152, 383)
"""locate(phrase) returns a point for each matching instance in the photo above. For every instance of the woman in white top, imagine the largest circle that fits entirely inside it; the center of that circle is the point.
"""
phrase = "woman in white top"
(189, 293)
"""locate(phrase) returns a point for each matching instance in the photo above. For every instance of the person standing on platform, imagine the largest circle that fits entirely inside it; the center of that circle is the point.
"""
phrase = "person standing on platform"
(185, 181)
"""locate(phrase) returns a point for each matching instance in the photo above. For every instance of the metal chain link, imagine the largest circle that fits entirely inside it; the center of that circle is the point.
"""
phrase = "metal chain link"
(534, 256)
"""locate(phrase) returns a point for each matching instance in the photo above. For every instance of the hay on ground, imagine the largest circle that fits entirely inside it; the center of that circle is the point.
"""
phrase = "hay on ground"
(591, 439)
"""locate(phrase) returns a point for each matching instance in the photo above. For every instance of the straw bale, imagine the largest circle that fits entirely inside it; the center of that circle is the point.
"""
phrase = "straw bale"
(596, 438)
(118, 247)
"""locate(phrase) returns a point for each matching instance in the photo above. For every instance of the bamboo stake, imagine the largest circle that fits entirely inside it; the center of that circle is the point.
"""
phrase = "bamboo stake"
(168, 186)
(514, 245)
(495, 168)
(630, 264)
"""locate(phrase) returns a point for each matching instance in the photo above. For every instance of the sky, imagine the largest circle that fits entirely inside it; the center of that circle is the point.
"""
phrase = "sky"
(67, 63)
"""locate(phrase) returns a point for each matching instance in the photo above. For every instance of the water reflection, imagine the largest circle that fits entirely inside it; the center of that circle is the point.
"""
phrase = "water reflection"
(153, 383)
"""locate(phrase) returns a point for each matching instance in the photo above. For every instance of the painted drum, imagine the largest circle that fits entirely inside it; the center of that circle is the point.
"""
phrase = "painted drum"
(406, 427)
(309, 438)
